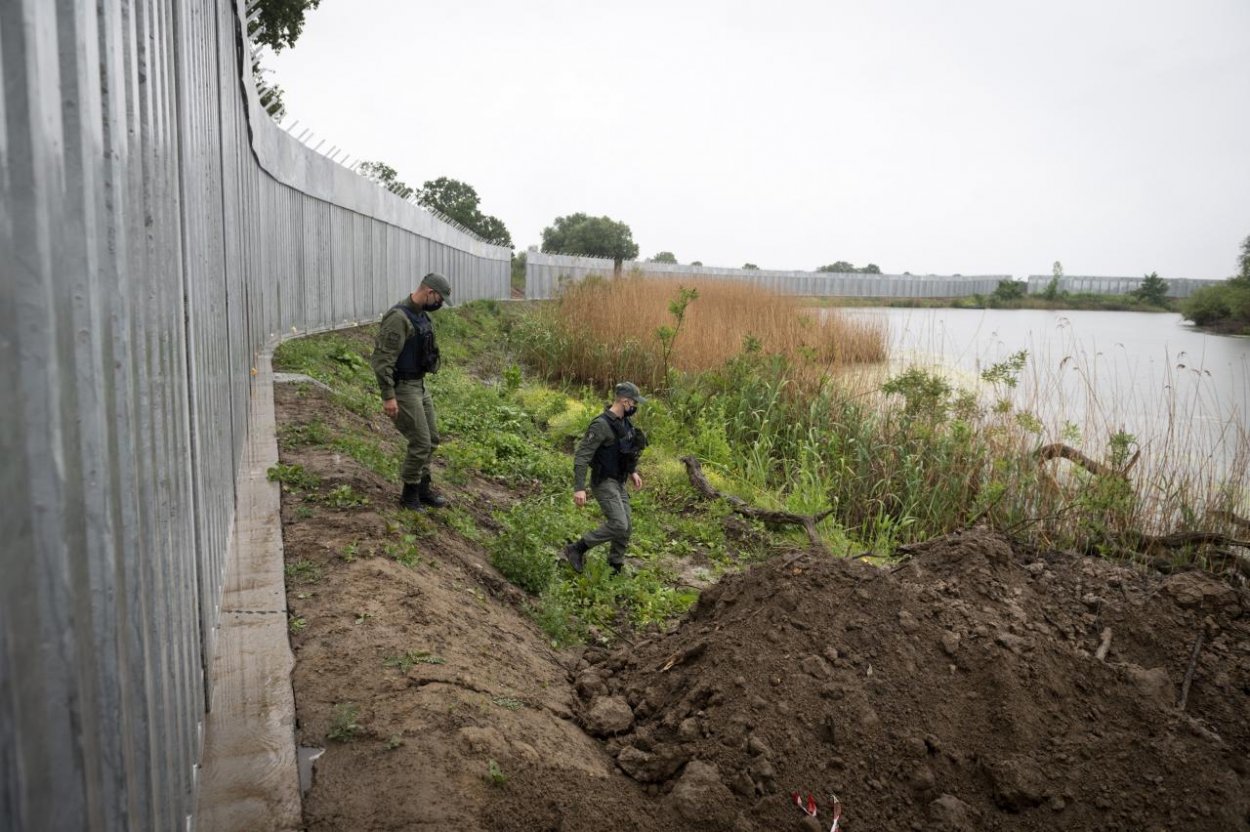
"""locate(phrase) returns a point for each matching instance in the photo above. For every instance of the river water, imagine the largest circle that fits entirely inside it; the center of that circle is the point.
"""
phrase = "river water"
(1182, 393)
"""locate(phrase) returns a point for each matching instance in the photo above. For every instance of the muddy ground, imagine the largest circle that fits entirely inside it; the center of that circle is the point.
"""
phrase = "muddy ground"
(961, 689)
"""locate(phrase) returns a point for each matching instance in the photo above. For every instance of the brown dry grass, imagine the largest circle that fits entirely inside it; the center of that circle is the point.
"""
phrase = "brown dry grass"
(607, 330)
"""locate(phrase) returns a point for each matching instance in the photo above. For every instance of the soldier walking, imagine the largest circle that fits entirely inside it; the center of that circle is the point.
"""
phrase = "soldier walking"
(610, 450)
(404, 353)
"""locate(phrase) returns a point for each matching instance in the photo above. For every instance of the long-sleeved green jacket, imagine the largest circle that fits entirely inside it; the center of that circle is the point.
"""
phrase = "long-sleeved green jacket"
(394, 332)
(599, 433)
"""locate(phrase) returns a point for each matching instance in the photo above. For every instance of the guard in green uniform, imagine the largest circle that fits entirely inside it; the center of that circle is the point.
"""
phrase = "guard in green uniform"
(403, 354)
(610, 450)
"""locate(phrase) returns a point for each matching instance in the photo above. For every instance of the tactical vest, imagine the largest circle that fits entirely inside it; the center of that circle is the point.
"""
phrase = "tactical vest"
(616, 460)
(420, 354)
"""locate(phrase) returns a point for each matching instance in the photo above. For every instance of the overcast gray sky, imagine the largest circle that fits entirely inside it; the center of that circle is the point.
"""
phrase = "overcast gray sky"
(968, 136)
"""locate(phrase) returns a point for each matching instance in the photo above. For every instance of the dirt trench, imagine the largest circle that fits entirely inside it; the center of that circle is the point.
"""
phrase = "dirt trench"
(962, 689)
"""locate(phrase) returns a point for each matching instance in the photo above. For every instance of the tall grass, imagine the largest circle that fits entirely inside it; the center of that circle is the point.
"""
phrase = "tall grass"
(776, 403)
(601, 331)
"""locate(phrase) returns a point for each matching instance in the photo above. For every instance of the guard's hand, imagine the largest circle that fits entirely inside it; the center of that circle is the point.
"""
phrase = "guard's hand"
(391, 408)
(579, 498)
(636, 479)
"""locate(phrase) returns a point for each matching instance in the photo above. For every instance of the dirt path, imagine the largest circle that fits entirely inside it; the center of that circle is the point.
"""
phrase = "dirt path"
(958, 691)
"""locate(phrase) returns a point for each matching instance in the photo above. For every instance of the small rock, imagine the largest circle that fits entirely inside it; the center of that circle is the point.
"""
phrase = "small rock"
(921, 779)
(817, 667)
(743, 784)
(701, 799)
(609, 715)
(830, 653)
(1018, 784)
(951, 814)
(1057, 804)
(650, 768)
(1035, 568)
(758, 747)
(590, 683)
(907, 622)
(1154, 684)
(1193, 589)
(1014, 643)
(950, 643)
(689, 729)
(1091, 600)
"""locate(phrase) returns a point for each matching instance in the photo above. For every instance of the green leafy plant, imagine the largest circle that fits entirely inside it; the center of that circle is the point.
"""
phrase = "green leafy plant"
(343, 723)
(412, 658)
(344, 496)
(293, 477)
(494, 774)
(295, 624)
(666, 334)
(302, 571)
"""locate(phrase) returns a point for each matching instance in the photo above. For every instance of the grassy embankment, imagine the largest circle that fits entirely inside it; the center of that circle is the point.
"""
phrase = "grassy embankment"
(761, 393)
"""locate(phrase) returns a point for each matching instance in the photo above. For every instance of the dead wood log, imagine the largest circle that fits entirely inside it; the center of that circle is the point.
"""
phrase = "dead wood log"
(1231, 519)
(1059, 450)
(740, 506)
(1189, 673)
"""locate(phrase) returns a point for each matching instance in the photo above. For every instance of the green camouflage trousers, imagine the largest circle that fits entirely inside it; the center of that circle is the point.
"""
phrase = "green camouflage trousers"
(416, 422)
(617, 522)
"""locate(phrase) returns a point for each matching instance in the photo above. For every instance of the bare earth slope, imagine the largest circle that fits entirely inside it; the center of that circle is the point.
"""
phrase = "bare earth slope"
(959, 690)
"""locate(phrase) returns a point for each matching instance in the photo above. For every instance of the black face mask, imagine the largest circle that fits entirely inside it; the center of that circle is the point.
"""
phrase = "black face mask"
(433, 307)
(630, 411)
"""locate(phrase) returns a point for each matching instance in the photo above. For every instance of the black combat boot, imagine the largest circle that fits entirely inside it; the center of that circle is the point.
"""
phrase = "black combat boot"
(411, 497)
(427, 495)
(575, 554)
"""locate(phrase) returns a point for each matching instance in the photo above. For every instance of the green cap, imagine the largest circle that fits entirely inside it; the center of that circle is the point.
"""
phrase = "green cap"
(628, 390)
(439, 284)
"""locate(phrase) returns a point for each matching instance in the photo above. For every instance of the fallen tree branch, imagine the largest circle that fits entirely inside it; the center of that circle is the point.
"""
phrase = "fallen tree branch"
(740, 506)
(1231, 519)
(1189, 673)
(1060, 450)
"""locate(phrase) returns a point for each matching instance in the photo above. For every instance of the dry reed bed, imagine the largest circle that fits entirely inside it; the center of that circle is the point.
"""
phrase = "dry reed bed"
(610, 329)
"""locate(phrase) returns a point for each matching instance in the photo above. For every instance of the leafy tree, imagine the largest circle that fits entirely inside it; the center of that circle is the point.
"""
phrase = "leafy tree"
(386, 176)
(750, 267)
(492, 230)
(1052, 288)
(843, 267)
(664, 257)
(696, 262)
(1153, 290)
(1242, 278)
(590, 236)
(451, 197)
(280, 22)
(1008, 290)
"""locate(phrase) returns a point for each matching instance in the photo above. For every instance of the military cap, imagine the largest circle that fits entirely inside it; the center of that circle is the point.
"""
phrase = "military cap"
(627, 390)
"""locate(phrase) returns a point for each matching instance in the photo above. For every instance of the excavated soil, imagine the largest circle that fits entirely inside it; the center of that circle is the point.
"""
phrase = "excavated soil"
(960, 690)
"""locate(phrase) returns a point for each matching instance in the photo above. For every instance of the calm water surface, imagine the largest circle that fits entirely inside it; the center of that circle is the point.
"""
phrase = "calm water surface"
(1183, 393)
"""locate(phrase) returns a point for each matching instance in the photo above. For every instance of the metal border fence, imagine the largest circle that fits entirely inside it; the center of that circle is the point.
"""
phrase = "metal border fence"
(156, 231)
(546, 273)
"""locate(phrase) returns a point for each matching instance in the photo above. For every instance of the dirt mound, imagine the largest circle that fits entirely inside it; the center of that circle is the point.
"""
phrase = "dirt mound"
(961, 690)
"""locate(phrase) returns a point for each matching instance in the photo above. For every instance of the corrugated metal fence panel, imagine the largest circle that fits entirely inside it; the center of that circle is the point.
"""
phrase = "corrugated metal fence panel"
(157, 230)
(546, 273)
(1178, 287)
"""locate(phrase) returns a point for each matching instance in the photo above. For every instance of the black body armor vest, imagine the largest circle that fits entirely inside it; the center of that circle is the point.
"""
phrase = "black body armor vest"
(616, 460)
(420, 354)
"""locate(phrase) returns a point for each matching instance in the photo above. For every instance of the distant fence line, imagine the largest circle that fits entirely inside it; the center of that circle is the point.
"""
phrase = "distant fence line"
(1178, 287)
(546, 273)
(157, 232)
